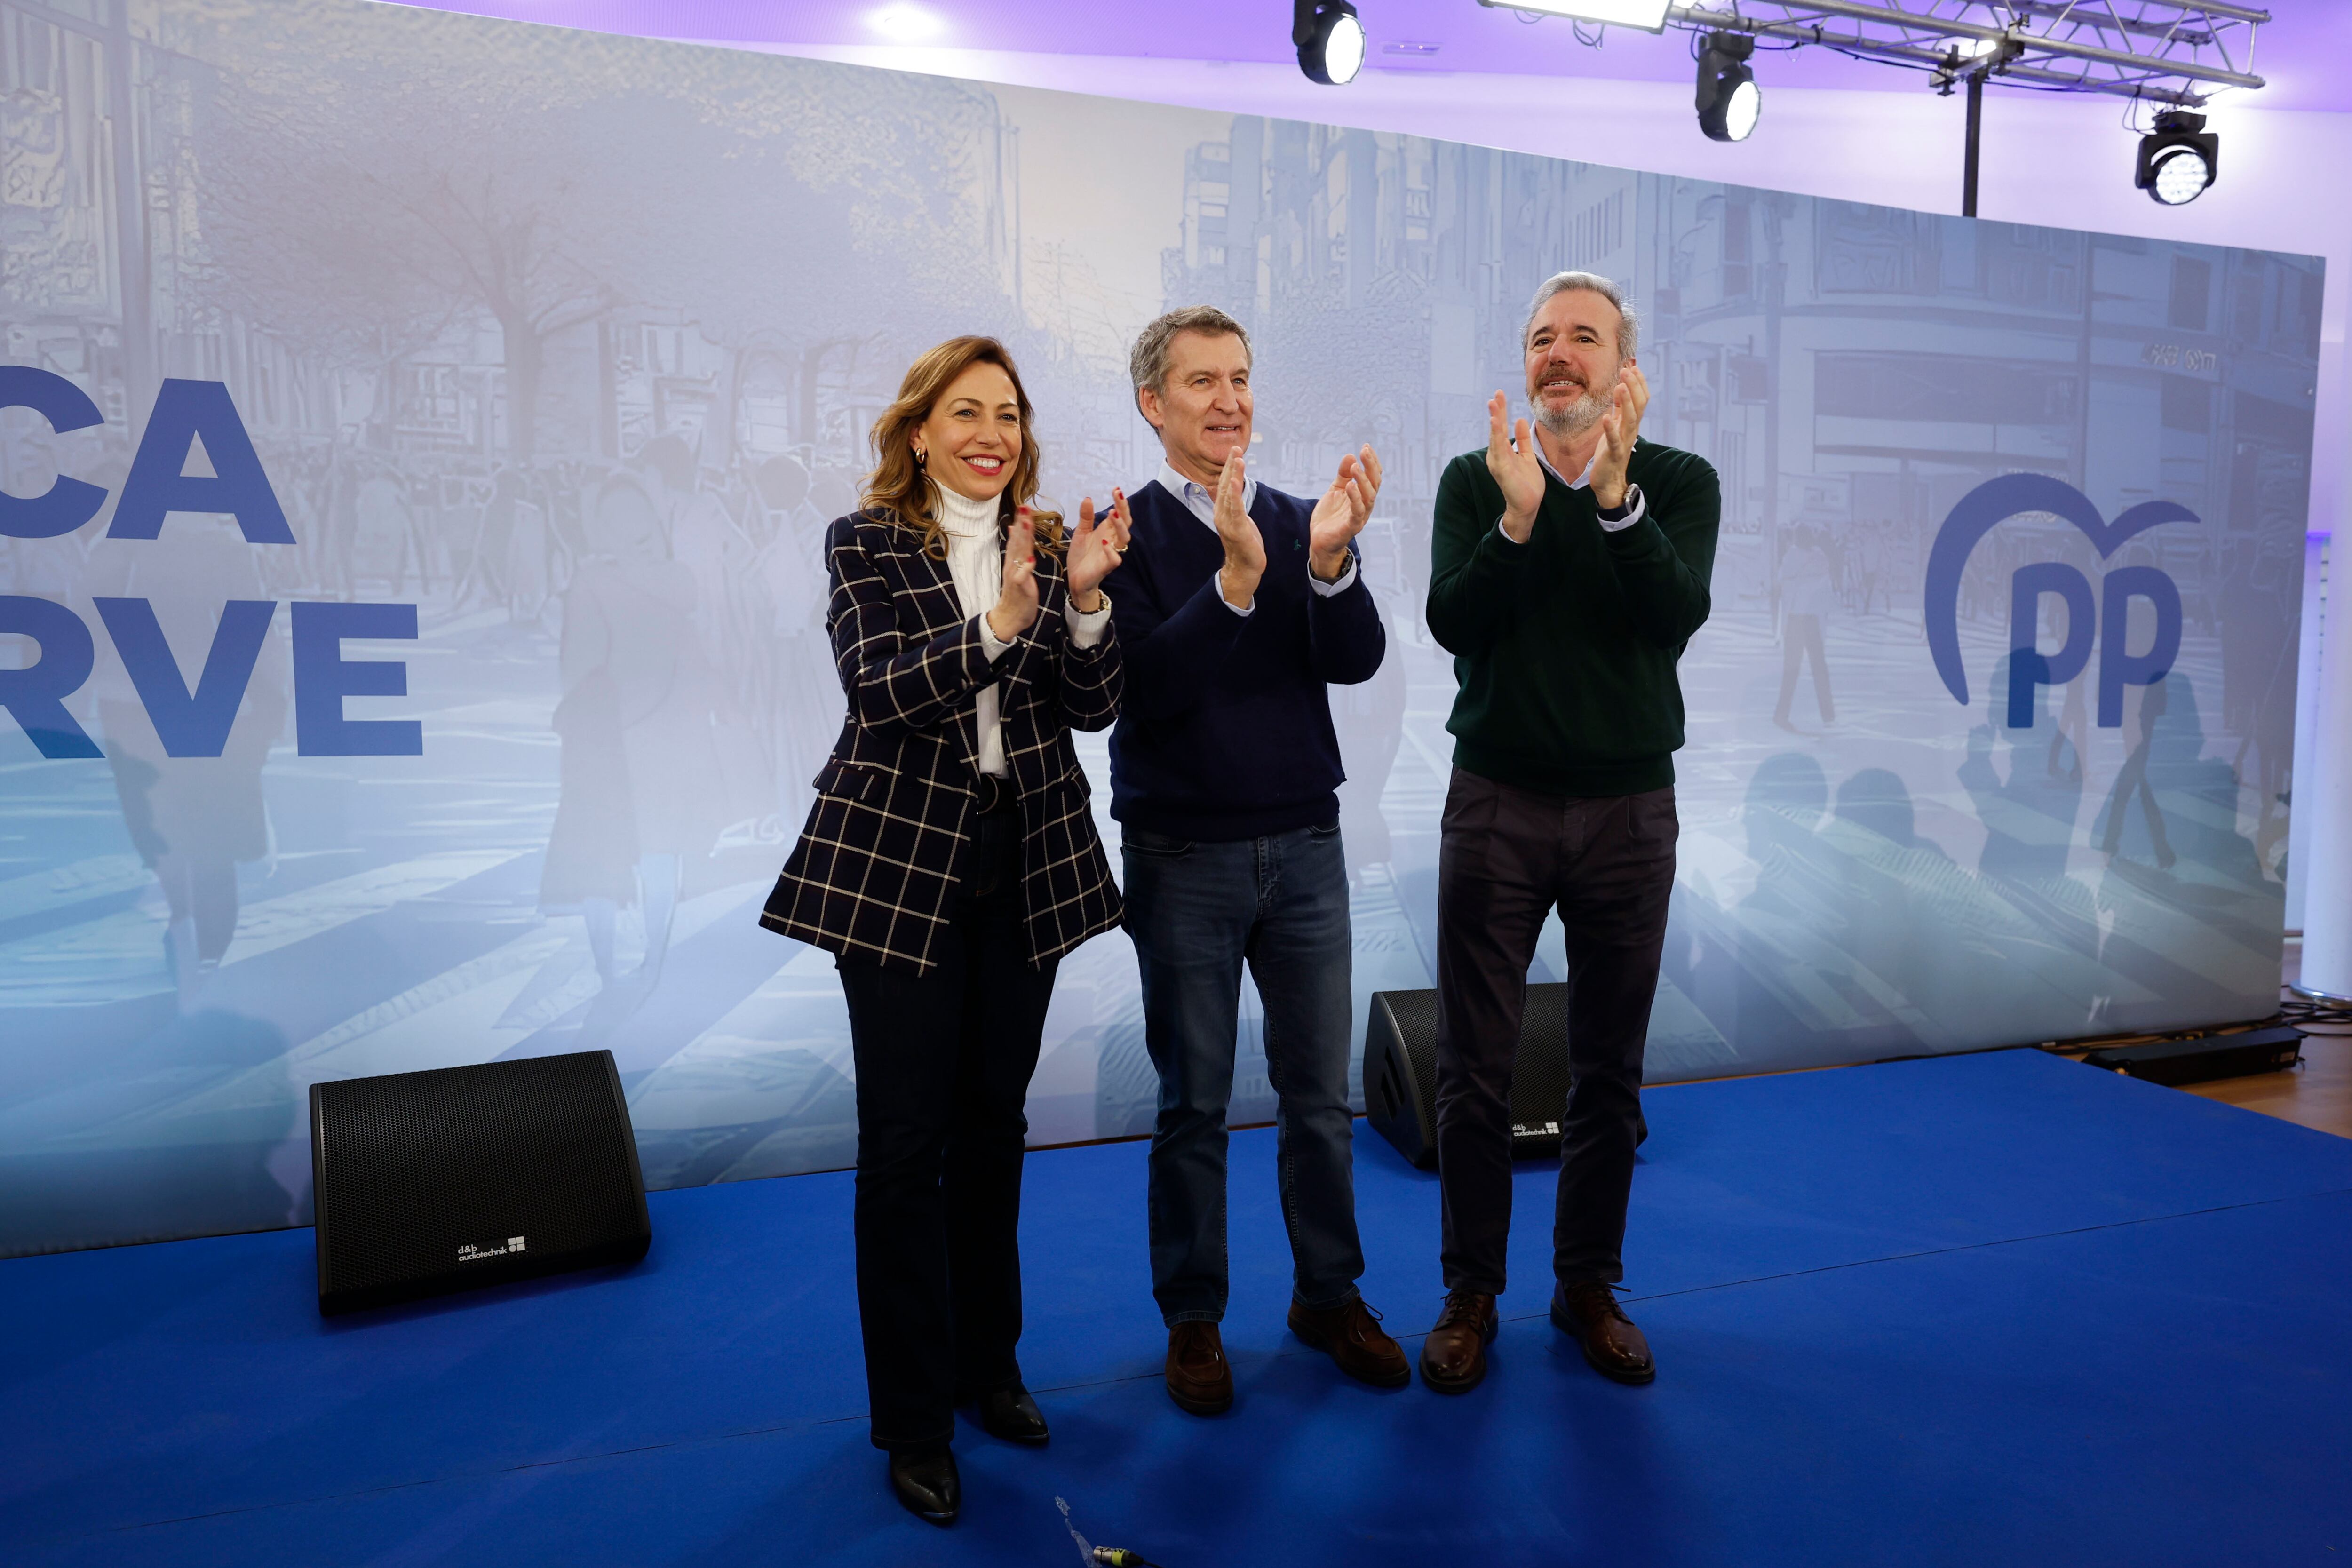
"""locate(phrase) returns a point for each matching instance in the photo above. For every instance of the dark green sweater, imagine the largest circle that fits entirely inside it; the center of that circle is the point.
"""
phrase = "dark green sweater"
(1565, 647)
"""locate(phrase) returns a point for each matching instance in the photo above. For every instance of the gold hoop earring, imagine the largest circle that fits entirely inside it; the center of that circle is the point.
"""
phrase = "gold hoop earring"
(922, 458)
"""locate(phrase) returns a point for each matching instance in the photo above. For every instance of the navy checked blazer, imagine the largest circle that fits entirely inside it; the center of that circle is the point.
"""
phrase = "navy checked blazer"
(874, 874)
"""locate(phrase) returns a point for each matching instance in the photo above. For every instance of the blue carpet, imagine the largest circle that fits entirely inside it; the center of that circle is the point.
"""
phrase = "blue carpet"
(1998, 1308)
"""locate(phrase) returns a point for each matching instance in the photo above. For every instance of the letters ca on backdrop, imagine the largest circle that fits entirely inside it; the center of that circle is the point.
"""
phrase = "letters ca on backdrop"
(190, 723)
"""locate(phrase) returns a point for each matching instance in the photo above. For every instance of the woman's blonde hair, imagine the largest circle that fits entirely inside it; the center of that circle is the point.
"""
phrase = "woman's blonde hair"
(898, 487)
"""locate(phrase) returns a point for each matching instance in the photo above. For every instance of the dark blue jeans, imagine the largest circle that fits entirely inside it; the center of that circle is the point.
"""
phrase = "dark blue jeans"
(1197, 912)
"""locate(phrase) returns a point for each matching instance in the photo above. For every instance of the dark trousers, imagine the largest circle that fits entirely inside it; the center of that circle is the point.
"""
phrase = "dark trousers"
(1507, 859)
(943, 1069)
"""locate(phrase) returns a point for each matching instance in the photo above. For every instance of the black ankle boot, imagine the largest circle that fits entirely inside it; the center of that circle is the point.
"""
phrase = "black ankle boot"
(926, 1481)
(1012, 1415)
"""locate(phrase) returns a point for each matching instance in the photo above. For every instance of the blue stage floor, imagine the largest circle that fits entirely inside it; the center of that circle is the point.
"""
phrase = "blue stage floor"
(1996, 1308)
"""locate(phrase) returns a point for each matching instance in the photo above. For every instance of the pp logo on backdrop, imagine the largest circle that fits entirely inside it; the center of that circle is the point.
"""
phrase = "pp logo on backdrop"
(1994, 503)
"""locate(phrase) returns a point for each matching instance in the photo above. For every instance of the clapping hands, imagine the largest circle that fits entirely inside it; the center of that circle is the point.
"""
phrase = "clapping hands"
(1511, 458)
(1015, 610)
(1518, 468)
(1097, 548)
(1620, 428)
(1244, 564)
(1342, 513)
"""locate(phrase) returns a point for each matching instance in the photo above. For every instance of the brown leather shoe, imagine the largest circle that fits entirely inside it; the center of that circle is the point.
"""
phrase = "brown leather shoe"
(1587, 1309)
(1453, 1356)
(1200, 1378)
(1350, 1334)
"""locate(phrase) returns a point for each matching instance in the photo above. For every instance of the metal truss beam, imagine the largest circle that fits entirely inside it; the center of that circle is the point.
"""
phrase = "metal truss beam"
(2165, 51)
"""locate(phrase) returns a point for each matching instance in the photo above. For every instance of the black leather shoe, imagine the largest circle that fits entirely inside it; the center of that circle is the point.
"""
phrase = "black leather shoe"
(1012, 1415)
(927, 1482)
(1615, 1348)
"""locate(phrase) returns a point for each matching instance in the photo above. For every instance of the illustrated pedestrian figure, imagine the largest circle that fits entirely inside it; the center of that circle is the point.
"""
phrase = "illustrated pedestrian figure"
(639, 770)
(1872, 565)
(2133, 777)
(1807, 591)
(2029, 818)
(192, 819)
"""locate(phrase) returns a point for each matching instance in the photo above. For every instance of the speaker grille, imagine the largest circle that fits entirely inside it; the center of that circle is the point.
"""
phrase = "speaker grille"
(434, 1180)
(1400, 1039)
(1539, 1074)
(1414, 1014)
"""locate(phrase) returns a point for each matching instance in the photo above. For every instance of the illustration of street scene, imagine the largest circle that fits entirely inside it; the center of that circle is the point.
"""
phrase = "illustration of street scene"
(573, 342)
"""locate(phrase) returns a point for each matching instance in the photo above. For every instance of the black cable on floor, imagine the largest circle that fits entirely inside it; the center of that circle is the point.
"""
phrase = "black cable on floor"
(2305, 1013)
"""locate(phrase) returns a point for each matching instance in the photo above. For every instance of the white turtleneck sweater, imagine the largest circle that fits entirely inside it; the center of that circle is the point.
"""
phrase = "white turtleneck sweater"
(976, 565)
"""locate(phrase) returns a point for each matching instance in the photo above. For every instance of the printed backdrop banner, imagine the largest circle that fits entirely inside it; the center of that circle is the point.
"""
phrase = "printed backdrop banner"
(420, 430)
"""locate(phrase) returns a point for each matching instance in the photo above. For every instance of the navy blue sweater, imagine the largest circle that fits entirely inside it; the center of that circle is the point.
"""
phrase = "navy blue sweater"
(1226, 732)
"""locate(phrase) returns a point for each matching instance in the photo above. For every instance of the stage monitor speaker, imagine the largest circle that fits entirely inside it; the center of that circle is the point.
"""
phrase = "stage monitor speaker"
(446, 1179)
(1401, 1072)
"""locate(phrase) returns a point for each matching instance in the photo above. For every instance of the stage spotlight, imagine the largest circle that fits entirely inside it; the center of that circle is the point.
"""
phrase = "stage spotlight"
(1729, 101)
(2179, 158)
(1330, 40)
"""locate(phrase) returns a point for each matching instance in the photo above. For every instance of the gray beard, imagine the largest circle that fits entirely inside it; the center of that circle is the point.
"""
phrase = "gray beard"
(1575, 418)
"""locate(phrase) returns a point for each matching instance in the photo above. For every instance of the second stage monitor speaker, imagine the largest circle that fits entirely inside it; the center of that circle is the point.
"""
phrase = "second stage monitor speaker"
(1401, 1072)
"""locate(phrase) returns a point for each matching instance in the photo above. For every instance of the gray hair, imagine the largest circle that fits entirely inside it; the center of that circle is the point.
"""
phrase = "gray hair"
(1147, 365)
(1629, 325)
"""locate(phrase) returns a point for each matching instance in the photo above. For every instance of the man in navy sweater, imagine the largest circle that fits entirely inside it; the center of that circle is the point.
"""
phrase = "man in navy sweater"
(1237, 604)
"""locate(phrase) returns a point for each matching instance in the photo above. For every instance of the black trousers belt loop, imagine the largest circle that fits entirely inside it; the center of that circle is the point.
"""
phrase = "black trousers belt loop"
(994, 861)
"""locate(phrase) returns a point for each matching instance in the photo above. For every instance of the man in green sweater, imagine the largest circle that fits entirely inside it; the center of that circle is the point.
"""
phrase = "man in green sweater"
(1569, 567)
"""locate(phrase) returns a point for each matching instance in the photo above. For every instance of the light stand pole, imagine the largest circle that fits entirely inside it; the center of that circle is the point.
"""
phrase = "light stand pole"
(1976, 135)
(1995, 55)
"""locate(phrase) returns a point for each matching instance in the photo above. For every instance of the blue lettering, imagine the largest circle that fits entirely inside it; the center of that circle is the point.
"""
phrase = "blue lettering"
(2028, 666)
(185, 410)
(324, 677)
(189, 725)
(198, 722)
(36, 697)
(2119, 668)
(67, 504)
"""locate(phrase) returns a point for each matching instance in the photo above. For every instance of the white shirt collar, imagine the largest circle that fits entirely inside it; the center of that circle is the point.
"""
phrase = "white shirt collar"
(1199, 498)
(1577, 483)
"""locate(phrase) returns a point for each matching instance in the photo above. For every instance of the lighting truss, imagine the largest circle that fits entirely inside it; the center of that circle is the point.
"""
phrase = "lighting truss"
(2169, 52)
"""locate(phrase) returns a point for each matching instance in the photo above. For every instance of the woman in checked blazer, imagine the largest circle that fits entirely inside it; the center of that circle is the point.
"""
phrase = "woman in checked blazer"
(949, 863)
